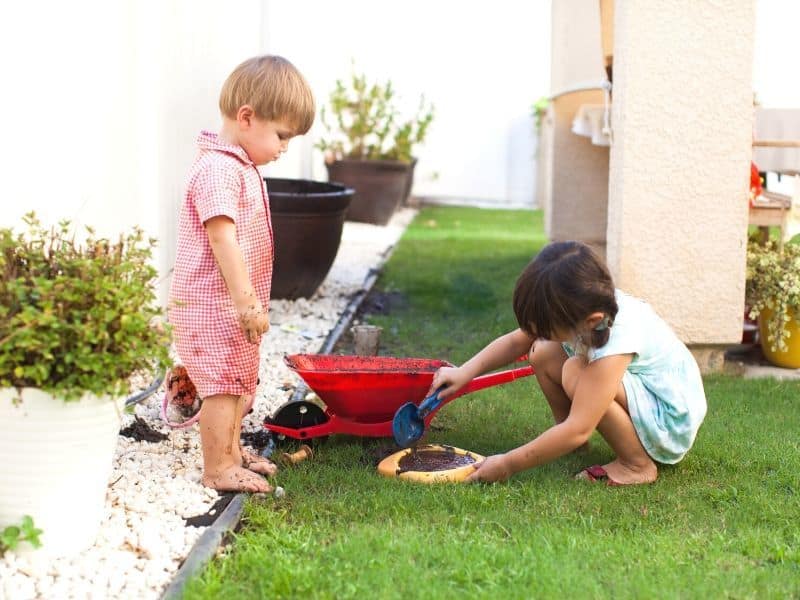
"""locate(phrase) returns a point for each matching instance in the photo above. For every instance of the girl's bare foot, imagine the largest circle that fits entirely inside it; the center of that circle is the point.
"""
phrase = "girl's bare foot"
(626, 474)
(236, 479)
(258, 464)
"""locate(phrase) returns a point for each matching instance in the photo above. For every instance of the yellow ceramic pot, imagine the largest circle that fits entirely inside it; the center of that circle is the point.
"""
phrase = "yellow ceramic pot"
(790, 358)
(390, 466)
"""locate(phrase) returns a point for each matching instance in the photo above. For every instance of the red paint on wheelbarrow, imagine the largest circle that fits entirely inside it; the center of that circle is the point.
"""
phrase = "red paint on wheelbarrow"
(362, 393)
(367, 388)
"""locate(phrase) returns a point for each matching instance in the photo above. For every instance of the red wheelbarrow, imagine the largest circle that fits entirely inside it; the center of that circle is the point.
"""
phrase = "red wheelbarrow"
(362, 393)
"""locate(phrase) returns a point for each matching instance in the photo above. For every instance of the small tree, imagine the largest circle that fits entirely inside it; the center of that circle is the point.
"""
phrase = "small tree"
(368, 125)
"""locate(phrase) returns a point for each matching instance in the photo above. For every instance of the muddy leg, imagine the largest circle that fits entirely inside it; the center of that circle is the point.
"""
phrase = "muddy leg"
(257, 464)
(220, 424)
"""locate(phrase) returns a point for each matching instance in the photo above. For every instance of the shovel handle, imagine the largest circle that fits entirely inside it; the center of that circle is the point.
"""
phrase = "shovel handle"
(429, 404)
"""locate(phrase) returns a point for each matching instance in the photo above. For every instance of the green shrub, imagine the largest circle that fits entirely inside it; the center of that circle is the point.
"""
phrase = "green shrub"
(76, 318)
(773, 281)
(11, 536)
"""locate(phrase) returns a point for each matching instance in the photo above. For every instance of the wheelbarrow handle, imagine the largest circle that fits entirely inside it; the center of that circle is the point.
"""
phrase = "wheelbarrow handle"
(491, 379)
(479, 383)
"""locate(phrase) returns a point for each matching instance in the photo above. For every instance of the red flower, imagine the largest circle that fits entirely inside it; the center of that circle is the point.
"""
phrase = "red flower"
(756, 189)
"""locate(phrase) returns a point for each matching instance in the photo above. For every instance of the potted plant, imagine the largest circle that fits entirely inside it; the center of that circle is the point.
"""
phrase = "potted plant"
(307, 222)
(370, 146)
(773, 295)
(75, 326)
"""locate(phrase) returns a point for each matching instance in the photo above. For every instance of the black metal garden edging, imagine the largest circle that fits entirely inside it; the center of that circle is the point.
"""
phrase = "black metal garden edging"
(212, 538)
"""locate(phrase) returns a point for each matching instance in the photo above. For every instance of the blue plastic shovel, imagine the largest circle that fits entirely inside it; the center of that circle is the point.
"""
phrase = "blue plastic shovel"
(408, 424)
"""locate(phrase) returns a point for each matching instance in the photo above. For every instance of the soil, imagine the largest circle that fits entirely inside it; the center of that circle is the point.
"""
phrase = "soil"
(746, 354)
(433, 460)
(375, 452)
(207, 519)
(381, 303)
(140, 431)
(259, 440)
(376, 303)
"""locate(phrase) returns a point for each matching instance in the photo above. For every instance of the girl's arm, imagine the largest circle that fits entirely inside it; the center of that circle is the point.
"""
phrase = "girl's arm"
(498, 353)
(597, 385)
(253, 319)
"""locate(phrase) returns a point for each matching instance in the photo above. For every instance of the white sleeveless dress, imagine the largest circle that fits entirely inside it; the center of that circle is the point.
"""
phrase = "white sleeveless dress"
(666, 399)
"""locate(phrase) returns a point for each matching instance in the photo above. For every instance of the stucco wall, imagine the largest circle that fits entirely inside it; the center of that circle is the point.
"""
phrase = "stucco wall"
(682, 117)
(577, 206)
(576, 196)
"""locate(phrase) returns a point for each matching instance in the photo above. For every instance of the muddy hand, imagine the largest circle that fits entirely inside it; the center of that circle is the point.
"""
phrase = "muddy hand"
(493, 468)
(254, 321)
(452, 378)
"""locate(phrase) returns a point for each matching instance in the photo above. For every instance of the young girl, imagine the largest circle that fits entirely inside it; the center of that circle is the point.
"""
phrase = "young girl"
(604, 361)
(223, 267)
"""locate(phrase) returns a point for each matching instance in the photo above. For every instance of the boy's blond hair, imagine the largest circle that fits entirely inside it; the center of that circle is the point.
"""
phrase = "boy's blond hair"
(275, 89)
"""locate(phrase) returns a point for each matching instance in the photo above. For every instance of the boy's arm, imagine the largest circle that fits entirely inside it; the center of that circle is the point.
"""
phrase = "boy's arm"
(253, 319)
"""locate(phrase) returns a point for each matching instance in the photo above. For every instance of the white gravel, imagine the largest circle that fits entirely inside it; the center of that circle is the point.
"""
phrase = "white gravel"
(155, 486)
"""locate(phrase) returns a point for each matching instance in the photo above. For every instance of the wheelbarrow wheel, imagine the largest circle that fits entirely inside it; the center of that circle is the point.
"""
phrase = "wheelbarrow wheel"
(297, 415)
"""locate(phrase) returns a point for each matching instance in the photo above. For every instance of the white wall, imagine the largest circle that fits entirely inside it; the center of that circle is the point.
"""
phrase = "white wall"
(482, 64)
(777, 47)
(102, 102)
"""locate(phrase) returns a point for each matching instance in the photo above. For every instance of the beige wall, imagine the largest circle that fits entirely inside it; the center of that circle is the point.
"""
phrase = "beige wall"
(578, 192)
(682, 117)
(669, 203)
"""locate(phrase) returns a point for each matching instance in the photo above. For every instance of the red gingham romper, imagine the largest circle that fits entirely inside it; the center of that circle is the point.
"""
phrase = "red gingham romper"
(205, 327)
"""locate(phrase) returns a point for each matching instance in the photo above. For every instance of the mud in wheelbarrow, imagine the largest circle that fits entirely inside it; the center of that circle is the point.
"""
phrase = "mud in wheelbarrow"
(362, 393)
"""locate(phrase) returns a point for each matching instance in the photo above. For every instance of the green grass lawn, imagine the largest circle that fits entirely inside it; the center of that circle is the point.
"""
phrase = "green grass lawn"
(723, 523)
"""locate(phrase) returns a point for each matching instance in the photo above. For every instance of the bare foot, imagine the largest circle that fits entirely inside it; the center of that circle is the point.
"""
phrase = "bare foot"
(258, 464)
(237, 479)
(625, 474)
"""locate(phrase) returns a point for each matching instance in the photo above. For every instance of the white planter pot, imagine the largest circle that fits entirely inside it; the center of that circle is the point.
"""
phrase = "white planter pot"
(55, 463)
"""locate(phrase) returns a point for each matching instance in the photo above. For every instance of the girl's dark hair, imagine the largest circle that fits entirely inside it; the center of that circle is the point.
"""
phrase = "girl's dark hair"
(561, 286)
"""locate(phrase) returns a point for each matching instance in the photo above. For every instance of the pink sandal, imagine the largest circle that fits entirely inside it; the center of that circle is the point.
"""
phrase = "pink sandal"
(182, 394)
(594, 474)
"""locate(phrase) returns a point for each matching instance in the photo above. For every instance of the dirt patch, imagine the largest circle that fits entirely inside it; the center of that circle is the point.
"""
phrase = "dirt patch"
(140, 431)
(381, 303)
(375, 452)
(259, 440)
(376, 303)
(746, 354)
(208, 518)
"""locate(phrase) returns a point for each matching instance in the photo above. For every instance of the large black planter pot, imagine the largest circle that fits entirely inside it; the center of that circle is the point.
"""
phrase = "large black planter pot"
(409, 183)
(307, 220)
(380, 186)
